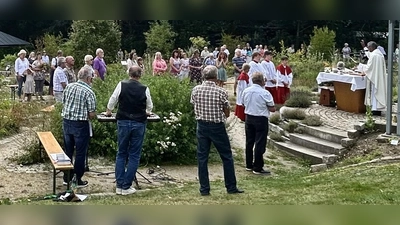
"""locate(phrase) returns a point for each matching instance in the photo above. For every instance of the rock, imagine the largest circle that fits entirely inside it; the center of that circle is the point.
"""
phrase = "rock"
(318, 168)
(347, 142)
(330, 159)
(382, 139)
(353, 134)
(359, 127)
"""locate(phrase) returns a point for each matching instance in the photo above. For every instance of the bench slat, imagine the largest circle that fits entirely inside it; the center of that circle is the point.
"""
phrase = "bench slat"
(52, 146)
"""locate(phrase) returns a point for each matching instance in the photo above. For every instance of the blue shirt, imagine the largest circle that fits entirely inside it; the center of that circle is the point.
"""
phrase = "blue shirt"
(256, 101)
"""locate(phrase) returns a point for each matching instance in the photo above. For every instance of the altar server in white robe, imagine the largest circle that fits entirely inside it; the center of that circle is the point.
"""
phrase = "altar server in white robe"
(375, 71)
(255, 66)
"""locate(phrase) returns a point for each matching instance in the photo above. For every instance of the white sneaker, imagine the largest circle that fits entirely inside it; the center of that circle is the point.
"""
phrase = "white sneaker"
(128, 191)
(118, 191)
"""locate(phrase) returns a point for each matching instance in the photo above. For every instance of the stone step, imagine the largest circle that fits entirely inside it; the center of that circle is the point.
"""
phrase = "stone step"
(325, 133)
(315, 157)
(316, 143)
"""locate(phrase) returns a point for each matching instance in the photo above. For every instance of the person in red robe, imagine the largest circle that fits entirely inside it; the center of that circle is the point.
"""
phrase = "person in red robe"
(243, 83)
(285, 79)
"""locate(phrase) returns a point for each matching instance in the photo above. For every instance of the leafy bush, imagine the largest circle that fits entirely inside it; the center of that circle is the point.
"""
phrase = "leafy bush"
(8, 60)
(323, 41)
(232, 41)
(290, 127)
(51, 43)
(275, 118)
(171, 140)
(295, 114)
(11, 117)
(88, 35)
(199, 42)
(312, 120)
(160, 37)
(300, 99)
(276, 137)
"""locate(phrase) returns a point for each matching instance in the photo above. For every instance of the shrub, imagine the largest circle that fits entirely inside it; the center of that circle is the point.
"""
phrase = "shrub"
(199, 42)
(160, 37)
(295, 114)
(275, 118)
(88, 35)
(323, 41)
(8, 60)
(312, 120)
(291, 126)
(276, 137)
(300, 99)
(11, 117)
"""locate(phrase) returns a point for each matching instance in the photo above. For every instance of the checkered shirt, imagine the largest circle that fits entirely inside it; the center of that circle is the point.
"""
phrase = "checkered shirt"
(78, 100)
(209, 101)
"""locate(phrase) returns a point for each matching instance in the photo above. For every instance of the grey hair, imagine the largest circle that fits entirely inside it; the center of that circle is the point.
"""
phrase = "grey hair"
(135, 71)
(61, 60)
(258, 78)
(99, 50)
(372, 44)
(210, 72)
(84, 73)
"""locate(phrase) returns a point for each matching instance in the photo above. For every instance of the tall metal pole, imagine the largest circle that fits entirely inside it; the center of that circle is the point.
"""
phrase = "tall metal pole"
(389, 96)
(398, 90)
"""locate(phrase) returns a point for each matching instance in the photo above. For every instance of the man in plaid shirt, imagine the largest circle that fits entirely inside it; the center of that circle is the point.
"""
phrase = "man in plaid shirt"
(79, 105)
(211, 107)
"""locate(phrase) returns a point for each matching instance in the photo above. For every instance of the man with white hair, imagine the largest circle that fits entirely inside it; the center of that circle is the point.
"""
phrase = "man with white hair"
(60, 80)
(204, 53)
(375, 71)
(88, 59)
(79, 106)
(237, 62)
(69, 69)
(99, 65)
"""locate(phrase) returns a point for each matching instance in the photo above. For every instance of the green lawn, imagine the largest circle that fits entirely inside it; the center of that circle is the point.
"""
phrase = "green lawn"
(374, 184)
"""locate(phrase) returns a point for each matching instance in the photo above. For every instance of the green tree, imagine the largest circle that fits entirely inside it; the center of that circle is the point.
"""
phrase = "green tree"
(323, 42)
(160, 37)
(232, 41)
(50, 43)
(88, 35)
(199, 42)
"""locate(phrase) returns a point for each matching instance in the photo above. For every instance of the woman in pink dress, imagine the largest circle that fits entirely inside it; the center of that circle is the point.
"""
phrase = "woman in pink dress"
(159, 65)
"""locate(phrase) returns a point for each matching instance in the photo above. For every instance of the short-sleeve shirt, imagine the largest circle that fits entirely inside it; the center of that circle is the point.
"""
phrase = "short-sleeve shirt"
(239, 61)
(59, 77)
(256, 101)
(78, 100)
(209, 102)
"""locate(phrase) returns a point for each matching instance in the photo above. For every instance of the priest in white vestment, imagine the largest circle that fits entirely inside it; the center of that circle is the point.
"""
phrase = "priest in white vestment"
(375, 71)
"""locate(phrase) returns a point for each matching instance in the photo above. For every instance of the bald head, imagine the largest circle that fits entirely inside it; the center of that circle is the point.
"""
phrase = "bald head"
(135, 72)
(69, 60)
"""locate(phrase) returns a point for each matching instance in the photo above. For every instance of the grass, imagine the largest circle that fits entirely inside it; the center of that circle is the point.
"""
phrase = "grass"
(361, 185)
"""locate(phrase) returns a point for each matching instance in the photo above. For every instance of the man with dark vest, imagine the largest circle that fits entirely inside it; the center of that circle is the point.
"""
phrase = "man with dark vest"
(134, 105)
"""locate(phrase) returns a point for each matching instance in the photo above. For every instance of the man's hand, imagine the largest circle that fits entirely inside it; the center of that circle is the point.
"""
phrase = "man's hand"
(108, 113)
(273, 81)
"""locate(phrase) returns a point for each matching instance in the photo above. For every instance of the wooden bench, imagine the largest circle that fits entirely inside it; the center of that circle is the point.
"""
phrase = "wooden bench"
(51, 146)
(13, 88)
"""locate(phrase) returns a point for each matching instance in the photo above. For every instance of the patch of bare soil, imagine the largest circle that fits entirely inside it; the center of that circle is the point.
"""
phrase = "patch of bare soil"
(368, 148)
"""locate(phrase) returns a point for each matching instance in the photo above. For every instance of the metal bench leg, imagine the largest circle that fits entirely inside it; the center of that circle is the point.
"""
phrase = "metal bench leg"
(54, 181)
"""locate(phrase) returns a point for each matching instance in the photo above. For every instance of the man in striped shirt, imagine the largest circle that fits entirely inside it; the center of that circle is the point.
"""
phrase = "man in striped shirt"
(79, 106)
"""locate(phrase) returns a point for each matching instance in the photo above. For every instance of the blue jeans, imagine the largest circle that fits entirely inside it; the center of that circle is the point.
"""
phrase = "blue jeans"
(208, 132)
(130, 141)
(76, 136)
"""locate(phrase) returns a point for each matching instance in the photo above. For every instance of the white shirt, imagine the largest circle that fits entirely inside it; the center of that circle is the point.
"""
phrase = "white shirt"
(255, 67)
(21, 66)
(115, 95)
(256, 101)
(59, 77)
(244, 52)
(270, 72)
(46, 59)
(227, 52)
(287, 78)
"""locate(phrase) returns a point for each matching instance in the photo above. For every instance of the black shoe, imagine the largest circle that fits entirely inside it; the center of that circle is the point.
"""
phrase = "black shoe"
(205, 194)
(82, 184)
(248, 169)
(261, 172)
(237, 191)
(376, 113)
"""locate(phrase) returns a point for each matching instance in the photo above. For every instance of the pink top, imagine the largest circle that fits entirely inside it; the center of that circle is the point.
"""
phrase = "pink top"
(159, 66)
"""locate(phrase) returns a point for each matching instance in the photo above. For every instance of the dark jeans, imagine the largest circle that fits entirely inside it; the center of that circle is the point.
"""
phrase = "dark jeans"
(51, 82)
(256, 136)
(216, 133)
(39, 86)
(130, 142)
(20, 81)
(76, 136)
